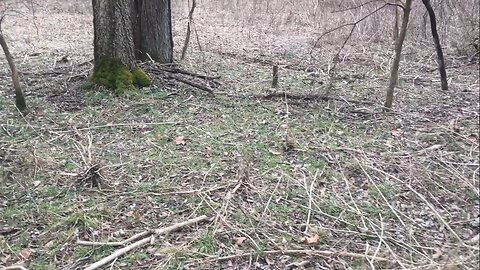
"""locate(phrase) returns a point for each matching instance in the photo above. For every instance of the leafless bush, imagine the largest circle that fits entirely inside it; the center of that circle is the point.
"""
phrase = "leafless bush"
(458, 20)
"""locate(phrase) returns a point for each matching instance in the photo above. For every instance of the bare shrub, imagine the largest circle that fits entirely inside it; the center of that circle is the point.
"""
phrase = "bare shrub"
(458, 21)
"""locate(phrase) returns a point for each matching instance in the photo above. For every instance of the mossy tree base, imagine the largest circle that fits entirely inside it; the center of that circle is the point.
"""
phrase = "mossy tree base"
(113, 74)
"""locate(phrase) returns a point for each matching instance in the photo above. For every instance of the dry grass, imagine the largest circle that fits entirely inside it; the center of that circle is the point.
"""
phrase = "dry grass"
(368, 190)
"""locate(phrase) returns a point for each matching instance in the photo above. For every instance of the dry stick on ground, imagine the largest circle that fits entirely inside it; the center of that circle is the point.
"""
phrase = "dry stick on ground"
(189, 25)
(121, 243)
(382, 240)
(194, 84)
(301, 252)
(309, 191)
(162, 70)
(143, 241)
(242, 175)
(14, 267)
(308, 97)
(121, 125)
(181, 71)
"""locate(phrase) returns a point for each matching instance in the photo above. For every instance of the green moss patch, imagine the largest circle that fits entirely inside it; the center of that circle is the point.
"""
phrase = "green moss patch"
(113, 74)
(140, 78)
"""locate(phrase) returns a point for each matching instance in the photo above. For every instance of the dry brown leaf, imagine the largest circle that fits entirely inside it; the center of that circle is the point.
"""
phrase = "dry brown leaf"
(180, 140)
(473, 138)
(26, 253)
(49, 244)
(397, 132)
(239, 240)
(312, 240)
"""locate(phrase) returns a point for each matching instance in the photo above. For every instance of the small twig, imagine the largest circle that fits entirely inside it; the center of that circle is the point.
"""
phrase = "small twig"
(309, 191)
(348, 24)
(382, 240)
(271, 196)
(355, 7)
(332, 73)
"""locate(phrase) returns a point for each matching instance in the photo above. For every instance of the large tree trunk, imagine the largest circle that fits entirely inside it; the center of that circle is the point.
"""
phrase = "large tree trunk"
(113, 31)
(398, 54)
(115, 65)
(152, 29)
(438, 47)
(19, 97)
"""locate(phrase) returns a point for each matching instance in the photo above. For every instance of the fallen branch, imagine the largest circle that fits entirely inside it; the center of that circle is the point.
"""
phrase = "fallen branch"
(113, 244)
(301, 252)
(309, 97)
(14, 267)
(194, 84)
(139, 243)
(181, 71)
(121, 125)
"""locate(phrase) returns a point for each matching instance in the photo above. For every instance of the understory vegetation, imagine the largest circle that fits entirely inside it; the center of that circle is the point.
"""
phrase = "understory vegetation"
(286, 183)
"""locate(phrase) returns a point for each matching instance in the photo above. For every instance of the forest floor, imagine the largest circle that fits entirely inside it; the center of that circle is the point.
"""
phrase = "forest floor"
(285, 183)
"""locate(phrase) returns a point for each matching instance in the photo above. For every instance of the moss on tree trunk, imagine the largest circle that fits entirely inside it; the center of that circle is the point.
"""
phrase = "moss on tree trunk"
(115, 65)
(113, 74)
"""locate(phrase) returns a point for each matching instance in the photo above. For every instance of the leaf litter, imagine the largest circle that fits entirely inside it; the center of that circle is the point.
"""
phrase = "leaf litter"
(391, 191)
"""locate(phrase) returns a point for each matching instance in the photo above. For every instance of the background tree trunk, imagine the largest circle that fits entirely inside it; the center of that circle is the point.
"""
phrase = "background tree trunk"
(152, 29)
(397, 20)
(438, 47)
(113, 32)
(19, 97)
(398, 54)
(189, 30)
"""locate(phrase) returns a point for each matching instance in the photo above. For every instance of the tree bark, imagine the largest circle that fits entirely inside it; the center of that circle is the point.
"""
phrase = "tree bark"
(19, 97)
(438, 47)
(113, 31)
(115, 66)
(397, 20)
(398, 54)
(152, 30)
